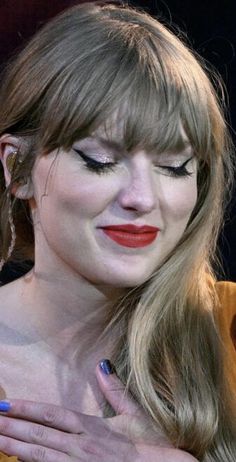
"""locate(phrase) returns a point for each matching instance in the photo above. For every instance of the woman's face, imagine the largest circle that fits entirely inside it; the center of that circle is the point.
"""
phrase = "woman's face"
(79, 195)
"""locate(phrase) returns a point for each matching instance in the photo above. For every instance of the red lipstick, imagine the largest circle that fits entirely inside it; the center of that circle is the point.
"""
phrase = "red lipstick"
(130, 235)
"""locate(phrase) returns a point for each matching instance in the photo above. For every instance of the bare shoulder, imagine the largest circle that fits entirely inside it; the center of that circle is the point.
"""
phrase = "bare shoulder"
(8, 292)
(9, 311)
(11, 340)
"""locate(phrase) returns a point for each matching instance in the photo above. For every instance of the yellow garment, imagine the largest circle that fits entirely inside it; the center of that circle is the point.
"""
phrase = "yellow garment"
(4, 458)
(226, 317)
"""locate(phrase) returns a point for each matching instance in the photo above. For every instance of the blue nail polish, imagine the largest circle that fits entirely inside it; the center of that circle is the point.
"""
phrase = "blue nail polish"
(106, 367)
(5, 406)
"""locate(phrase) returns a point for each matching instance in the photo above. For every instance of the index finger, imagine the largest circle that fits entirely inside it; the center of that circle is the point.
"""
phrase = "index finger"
(46, 414)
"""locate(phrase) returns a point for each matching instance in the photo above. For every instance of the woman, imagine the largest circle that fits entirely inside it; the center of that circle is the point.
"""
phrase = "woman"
(115, 161)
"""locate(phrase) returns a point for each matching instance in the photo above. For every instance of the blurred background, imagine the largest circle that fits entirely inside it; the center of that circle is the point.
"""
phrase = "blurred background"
(210, 28)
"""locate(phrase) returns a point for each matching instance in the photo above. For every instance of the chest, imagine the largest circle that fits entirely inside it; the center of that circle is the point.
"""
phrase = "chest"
(25, 374)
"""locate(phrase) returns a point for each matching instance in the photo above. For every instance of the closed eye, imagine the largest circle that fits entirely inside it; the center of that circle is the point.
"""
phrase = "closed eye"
(105, 167)
(178, 171)
(94, 165)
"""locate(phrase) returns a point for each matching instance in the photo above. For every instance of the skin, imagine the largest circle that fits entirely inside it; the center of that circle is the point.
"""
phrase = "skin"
(138, 191)
(78, 272)
(59, 435)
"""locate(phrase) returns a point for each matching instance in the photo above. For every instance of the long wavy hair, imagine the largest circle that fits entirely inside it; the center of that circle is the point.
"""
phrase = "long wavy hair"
(86, 65)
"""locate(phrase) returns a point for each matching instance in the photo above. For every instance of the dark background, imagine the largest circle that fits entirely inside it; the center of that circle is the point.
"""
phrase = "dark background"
(210, 28)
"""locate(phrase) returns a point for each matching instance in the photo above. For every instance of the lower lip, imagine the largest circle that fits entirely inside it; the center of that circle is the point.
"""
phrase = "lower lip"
(131, 239)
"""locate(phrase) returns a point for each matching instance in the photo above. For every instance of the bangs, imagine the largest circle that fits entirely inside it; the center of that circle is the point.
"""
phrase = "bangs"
(131, 80)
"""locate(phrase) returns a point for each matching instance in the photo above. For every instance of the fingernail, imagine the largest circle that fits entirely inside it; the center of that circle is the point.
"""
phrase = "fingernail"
(5, 406)
(106, 367)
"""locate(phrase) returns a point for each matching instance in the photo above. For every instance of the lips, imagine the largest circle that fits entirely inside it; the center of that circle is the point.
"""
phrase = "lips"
(129, 235)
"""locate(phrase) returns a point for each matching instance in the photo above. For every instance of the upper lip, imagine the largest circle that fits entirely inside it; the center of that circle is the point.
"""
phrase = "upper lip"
(132, 228)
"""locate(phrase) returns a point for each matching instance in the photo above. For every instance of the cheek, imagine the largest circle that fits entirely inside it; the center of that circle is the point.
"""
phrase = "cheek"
(86, 195)
(64, 188)
(180, 198)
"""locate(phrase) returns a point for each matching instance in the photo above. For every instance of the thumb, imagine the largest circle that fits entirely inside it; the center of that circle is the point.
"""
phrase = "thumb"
(114, 390)
(130, 421)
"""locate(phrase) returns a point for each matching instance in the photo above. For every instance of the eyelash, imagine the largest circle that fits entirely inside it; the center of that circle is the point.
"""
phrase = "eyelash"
(180, 171)
(95, 166)
(105, 167)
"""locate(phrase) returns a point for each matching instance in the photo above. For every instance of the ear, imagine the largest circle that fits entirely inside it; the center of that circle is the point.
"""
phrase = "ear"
(10, 147)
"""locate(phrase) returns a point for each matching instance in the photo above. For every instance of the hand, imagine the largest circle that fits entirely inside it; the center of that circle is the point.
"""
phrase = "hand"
(37, 432)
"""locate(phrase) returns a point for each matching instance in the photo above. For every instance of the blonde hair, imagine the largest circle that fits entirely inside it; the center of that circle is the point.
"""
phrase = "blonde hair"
(86, 65)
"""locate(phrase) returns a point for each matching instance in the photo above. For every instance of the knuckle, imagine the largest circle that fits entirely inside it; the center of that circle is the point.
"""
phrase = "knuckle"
(38, 454)
(24, 408)
(51, 415)
(89, 447)
(6, 445)
(117, 388)
(38, 433)
(5, 425)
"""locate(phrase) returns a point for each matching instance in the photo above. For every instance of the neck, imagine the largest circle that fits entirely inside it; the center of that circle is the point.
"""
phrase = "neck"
(58, 309)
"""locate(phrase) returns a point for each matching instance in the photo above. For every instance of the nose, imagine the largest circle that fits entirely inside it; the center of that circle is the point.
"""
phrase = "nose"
(139, 193)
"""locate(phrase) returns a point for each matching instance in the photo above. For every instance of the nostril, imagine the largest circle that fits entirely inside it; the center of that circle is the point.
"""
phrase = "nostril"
(130, 208)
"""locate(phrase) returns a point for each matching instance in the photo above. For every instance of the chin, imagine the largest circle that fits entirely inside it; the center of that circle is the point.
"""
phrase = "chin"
(126, 281)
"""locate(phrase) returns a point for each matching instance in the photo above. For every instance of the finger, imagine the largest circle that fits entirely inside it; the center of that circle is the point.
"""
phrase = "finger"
(36, 434)
(31, 452)
(46, 414)
(114, 390)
